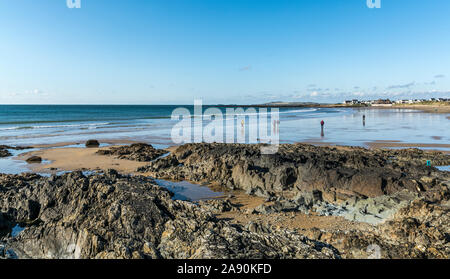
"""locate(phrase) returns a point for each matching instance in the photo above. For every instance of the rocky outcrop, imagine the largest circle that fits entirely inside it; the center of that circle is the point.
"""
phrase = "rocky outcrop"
(34, 160)
(4, 153)
(137, 152)
(4, 150)
(114, 216)
(338, 173)
(419, 230)
(415, 157)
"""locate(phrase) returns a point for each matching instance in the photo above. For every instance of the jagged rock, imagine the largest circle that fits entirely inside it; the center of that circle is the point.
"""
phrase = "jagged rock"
(92, 143)
(4, 150)
(418, 230)
(375, 210)
(217, 205)
(34, 160)
(115, 216)
(137, 152)
(337, 173)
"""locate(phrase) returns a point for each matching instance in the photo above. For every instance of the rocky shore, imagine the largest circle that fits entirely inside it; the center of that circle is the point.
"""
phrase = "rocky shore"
(403, 203)
(115, 216)
(335, 173)
(140, 152)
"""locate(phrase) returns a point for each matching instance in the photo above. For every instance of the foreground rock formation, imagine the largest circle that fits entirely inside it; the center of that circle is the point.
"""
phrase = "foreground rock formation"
(406, 200)
(137, 152)
(114, 216)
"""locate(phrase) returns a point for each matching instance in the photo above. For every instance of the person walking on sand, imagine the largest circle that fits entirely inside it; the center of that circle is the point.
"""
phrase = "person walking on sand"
(322, 123)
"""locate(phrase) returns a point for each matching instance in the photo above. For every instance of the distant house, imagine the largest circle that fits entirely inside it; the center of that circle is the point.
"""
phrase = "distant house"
(352, 102)
(382, 103)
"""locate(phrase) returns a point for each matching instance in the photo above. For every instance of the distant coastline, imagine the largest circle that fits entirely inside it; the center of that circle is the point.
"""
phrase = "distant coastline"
(436, 107)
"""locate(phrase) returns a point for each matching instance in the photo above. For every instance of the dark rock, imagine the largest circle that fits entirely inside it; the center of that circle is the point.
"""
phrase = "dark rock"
(335, 174)
(115, 216)
(137, 152)
(419, 230)
(4, 153)
(92, 143)
(34, 160)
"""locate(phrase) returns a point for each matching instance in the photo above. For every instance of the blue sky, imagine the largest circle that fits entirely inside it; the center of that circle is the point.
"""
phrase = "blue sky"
(223, 51)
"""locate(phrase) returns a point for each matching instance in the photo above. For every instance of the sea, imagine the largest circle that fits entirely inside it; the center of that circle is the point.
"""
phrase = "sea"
(58, 126)
(50, 124)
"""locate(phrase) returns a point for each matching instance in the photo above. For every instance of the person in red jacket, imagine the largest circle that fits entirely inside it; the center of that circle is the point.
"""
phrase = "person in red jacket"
(322, 123)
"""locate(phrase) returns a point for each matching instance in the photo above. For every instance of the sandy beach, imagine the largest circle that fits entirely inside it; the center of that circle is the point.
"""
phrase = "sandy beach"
(443, 108)
(396, 144)
(71, 159)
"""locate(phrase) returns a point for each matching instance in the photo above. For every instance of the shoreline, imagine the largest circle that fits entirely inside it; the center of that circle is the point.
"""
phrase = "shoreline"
(61, 157)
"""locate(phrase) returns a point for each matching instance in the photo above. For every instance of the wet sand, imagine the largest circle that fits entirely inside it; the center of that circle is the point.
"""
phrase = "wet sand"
(398, 144)
(62, 144)
(71, 159)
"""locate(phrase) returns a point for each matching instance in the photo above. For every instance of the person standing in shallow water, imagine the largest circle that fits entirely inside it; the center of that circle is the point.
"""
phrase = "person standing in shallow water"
(322, 123)
(364, 120)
